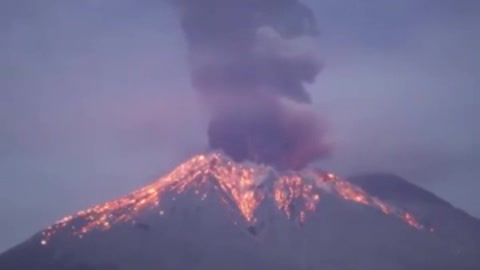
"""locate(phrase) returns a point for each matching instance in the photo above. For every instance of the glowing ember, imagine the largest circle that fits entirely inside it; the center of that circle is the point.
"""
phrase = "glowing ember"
(245, 185)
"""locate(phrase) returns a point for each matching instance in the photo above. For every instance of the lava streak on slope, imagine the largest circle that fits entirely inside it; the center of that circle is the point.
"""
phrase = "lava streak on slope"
(246, 185)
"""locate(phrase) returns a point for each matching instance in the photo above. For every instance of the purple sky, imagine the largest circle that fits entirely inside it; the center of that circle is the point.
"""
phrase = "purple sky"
(95, 100)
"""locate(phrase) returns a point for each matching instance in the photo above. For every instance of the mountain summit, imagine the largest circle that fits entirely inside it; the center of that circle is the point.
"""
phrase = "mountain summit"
(214, 213)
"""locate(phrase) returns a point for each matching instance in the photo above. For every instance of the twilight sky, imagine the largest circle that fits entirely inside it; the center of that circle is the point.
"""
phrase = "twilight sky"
(95, 99)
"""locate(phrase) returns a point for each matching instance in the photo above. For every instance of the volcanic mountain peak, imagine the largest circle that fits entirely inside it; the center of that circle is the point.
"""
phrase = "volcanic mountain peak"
(243, 186)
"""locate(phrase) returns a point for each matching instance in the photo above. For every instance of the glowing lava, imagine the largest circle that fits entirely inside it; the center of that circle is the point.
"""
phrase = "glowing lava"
(245, 185)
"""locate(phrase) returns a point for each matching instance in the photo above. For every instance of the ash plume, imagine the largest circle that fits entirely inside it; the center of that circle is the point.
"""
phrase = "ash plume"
(249, 61)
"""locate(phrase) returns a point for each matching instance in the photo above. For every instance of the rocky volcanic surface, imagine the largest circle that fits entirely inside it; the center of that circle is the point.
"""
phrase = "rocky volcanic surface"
(186, 232)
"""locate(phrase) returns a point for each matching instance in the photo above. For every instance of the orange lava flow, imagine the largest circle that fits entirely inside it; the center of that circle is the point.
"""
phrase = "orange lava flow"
(246, 185)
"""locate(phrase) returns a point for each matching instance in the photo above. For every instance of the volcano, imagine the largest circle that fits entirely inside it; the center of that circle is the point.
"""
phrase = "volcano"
(214, 213)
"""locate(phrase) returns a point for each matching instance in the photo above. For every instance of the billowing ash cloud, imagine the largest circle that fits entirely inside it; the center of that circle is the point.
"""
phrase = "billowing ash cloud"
(249, 61)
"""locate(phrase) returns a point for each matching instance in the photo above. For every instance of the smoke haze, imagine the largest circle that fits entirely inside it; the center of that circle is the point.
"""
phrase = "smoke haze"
(95, 99)
(245, 58)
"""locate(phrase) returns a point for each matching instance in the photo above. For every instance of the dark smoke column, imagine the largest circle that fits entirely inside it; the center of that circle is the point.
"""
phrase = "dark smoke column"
(246, 65)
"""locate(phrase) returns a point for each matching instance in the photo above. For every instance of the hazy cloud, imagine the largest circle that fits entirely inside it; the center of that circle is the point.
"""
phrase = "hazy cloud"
(89, 99)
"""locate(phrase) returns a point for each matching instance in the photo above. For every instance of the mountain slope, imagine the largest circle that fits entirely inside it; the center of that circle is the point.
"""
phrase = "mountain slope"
(452, 224)
(190, 231)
